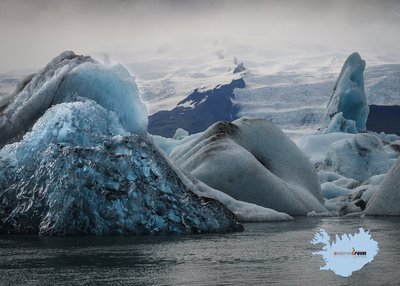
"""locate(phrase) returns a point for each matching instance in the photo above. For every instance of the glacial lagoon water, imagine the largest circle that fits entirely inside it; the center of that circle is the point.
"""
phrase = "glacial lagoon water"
(264, 254)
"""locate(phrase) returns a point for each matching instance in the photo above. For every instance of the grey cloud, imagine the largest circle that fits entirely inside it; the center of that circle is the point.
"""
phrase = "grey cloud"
(32, 32)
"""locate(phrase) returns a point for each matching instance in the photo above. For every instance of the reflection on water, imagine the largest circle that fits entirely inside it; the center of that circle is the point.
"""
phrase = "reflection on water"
(265, 253)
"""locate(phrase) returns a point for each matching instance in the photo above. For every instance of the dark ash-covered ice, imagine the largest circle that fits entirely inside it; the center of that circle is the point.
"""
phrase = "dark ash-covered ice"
(123, 186)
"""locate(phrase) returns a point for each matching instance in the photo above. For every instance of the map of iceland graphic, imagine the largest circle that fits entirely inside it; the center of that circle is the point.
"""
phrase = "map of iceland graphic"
(347, 253)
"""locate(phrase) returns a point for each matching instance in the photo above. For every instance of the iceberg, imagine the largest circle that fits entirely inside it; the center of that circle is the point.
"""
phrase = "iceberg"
(331, 190)
(359, 157)
(366, 190)
(337, 179)
(180, 134)
(316, 146)
(385, 201)
(77, 159)
(265, 167)
(341, 124)
(347, 109)
(347, 196)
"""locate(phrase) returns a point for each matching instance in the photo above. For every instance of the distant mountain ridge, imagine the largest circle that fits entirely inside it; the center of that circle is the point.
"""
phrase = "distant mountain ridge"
(198, 111)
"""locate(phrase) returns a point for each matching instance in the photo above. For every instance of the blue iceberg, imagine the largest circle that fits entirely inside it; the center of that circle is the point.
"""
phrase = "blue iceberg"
(76, 159)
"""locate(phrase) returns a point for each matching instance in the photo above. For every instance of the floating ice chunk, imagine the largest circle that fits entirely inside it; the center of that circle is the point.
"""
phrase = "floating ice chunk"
(344, 205)
(348, 98)
(333, 204)
(316, 147)
(341, 124)
(349, 208)
(359, 157)
(324, 176)
(355, 214)
(252, 160)
(350, 201)
(393, 150)
(328, 178)
(330, 190)
(370, 186)
(323, 214)
(180, 134)
(385, 201)
(389, 137)
(346, 183)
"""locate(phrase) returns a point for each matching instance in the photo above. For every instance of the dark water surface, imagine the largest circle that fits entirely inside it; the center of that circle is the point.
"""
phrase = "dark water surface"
(264, 254)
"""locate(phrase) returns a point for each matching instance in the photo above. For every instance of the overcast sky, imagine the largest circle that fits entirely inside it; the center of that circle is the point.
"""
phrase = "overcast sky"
(32, 32)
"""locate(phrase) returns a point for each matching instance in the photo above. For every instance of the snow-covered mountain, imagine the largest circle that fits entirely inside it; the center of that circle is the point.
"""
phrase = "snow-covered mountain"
(198, 111)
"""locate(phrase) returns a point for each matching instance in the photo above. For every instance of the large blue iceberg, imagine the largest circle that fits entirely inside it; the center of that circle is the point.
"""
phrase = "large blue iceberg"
(77, 159)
